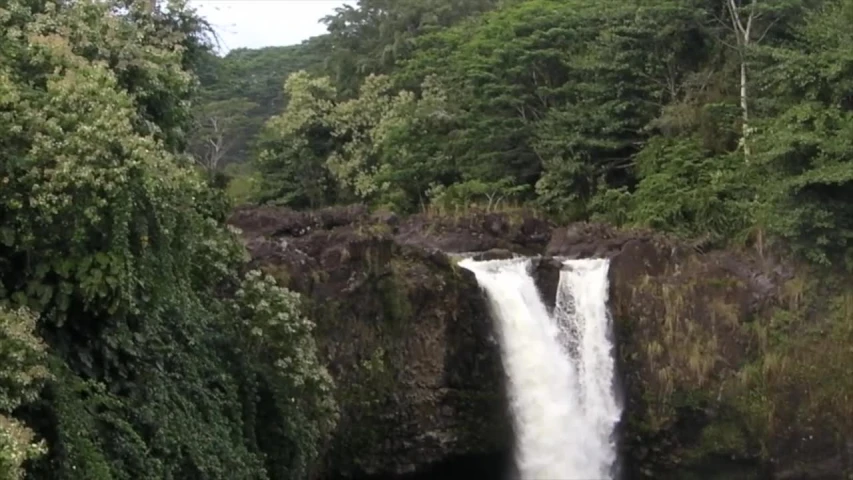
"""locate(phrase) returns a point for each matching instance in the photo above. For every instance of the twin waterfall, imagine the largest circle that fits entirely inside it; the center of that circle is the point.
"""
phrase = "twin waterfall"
(559, 367)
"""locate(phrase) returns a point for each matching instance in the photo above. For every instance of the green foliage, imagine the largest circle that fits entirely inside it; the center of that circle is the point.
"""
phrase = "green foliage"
(296, 144)
(243, 183)
(321, 147)
(805, 140)
(16, 447)
(686, 189)
(112, 237)
(491, 101)
(243, 88)
(22, 373)
(219, 126)
(475, 192)
(624, 112)
(373, 36)
(534, 112)
(278, 339)
(373, 122)
(78, 167)
(22, 354)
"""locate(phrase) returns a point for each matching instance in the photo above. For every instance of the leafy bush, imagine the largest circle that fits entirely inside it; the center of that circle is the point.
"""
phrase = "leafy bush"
(687, 190)
(22, 373)
(278, 340)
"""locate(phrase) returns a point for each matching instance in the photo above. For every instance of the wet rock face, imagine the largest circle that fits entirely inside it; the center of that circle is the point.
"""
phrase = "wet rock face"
(546, 275)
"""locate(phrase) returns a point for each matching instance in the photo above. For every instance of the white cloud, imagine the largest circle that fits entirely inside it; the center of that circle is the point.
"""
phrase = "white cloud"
(261, 23)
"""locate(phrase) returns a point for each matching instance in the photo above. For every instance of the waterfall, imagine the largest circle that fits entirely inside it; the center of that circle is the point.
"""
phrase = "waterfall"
(559, 367)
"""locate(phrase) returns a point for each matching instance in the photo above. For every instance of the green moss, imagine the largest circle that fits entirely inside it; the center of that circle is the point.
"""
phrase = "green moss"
(719, 438)
(393, 293)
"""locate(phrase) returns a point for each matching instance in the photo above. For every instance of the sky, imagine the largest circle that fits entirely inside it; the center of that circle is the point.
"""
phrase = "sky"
(262, 23)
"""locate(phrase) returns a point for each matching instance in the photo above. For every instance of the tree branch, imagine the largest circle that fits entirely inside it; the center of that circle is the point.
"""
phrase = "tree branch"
(774, 22)
(735, 17)
(749, 20)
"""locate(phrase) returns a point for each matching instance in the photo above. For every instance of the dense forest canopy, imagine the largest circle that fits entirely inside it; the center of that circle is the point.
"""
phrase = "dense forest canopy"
(698, 117)
(135, 343)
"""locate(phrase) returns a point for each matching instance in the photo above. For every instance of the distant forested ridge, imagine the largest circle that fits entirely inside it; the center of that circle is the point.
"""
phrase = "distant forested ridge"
(239, 93)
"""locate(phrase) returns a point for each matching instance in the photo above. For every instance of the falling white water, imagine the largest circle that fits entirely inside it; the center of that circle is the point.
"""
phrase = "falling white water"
(559, 367)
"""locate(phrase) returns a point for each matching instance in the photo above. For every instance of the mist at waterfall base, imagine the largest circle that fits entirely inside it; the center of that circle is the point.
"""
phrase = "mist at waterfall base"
(559, 365)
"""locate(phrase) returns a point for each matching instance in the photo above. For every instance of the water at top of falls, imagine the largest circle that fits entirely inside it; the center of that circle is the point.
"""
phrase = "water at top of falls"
(559, 367)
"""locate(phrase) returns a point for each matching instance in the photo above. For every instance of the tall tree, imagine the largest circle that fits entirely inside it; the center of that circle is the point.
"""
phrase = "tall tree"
(806, 138)
(219, 128)
(750, 21)
(373, 36)
(557, 94)
(244, 89)
(295, 145)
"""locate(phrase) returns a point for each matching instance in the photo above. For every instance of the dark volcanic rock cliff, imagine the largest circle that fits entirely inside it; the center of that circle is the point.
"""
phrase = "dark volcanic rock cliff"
(404, 332)
(407, 336)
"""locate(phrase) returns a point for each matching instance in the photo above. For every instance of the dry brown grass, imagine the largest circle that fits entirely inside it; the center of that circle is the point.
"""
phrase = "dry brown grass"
(683, 351)
(513, 210)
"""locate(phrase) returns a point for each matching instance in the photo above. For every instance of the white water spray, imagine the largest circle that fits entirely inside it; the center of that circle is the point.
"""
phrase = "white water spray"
(559, 367)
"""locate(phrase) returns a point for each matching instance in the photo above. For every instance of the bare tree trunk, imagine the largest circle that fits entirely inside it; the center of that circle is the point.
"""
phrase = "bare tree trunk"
(744, 107)
(743, 34)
